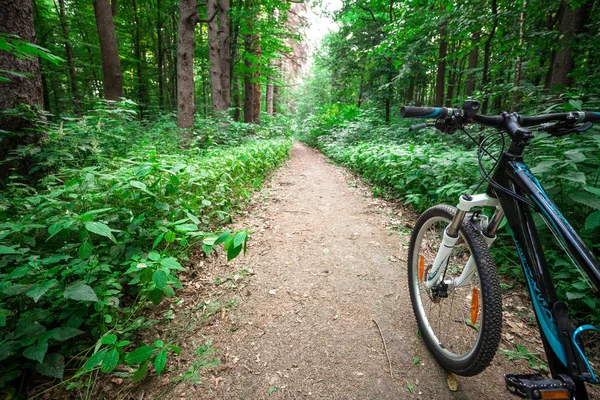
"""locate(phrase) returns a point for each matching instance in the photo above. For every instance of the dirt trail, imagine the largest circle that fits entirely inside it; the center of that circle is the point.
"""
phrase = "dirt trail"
(326, 263)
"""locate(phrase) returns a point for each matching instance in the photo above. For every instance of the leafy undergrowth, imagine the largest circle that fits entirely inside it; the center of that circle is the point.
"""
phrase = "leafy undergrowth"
(428, 168)
(102, 236)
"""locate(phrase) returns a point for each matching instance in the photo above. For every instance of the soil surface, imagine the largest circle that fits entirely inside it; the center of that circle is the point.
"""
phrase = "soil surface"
(295, 318)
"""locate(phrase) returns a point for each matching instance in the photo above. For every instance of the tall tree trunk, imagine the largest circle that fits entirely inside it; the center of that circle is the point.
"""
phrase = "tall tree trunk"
(160, 56)
(143, 99)
(473, 58)
(219, 52)
(70, 59)
(518, 64)
(486, 58)
(188, 18)
(441, 67)
(235, 81)
(17, 18)
(360, 92)
(269, 96)
(256, 83)
(111, 64)
(571, 23)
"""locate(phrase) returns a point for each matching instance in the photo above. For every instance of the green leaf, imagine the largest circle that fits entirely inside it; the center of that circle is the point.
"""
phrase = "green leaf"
(170, 237)
(138, 185)
(171, 263)
(54, 229)
(140, 372)
(192, 218)
(7, 250)
(156, 296)
(15, 290)
(109, 339)
(593, 220)
(85, 250)
(587, 199)
(168, 291)
(239, 238)
(160, 361)
(53, 366)
(154, 256)
(94, 360)
(36, 352)
(139, 355)
(578, 177)
(64, 333)
(233, 252)
(575, 295)
(110, 360)
(160, 279)
(39, 289)
(210, 240)
(100, 229)
(80, 291)
(224, 236)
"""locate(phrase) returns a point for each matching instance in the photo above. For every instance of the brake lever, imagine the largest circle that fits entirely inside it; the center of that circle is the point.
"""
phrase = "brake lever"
(420, 126)
(563, 128)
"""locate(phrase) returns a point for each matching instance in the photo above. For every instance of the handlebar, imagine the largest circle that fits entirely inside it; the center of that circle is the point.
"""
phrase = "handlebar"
(495, 120)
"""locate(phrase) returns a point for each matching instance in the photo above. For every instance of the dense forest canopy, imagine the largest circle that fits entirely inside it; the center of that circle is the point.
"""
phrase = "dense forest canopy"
(132, 131)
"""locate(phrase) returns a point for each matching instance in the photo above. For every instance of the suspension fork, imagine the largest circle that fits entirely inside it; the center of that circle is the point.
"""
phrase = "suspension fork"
(450, 237)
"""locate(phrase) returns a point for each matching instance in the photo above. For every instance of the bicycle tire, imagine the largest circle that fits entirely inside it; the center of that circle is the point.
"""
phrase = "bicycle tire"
(489, 304)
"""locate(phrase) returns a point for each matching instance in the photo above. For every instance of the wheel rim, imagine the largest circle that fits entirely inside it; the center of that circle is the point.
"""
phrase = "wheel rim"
(453, 324)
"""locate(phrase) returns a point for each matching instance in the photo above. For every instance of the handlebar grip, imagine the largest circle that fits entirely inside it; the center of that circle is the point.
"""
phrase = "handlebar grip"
(592, 116)
(425, 112)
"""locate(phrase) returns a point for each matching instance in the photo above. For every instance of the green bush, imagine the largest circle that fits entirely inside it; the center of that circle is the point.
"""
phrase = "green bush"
(101, 236)
(426, 168)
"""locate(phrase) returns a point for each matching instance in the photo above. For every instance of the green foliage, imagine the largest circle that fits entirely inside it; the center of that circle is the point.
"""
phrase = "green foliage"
(427, 168)
(104, 234)
(22, 49)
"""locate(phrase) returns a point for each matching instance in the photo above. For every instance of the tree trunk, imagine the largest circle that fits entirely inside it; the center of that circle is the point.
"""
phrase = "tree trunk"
(160, 56)
(486, 57)
(235, 82)
(188, 17)
(269, 96)
(518, 65)
(473, 58)
(251, 85)
(563, 63)
(17, 18)
(143, 99)
(219, 53)
(441, 68)
(70, 59)
(111, 64)
(360, 92)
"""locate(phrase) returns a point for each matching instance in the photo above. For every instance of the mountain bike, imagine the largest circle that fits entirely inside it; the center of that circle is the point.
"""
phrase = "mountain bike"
(453, 282)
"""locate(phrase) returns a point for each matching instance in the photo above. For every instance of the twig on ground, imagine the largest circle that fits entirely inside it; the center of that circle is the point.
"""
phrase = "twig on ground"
(386, 350)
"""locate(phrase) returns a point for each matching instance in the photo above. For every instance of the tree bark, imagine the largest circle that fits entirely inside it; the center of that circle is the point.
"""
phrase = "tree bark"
(160, 56)
(486, 58)
(111, 64)
(219, 52)
(142, 94)
(188, 18)
(473, 58)
(563, 63)
(17, 18)
(251, 85)
(518, 64)
(269, 96)
(441, 67)
(70, 59)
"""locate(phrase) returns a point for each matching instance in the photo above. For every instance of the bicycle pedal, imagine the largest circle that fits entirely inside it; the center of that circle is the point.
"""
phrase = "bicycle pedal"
(537, 387)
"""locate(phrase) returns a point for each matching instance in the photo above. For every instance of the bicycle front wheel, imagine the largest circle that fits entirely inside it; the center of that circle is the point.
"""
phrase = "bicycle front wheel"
(460, 319)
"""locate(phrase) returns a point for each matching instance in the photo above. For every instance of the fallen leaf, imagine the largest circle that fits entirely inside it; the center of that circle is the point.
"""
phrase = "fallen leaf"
(452, 382)
(117, 381)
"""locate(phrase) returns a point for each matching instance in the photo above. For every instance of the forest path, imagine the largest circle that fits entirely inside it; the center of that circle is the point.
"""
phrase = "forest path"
(326, 259)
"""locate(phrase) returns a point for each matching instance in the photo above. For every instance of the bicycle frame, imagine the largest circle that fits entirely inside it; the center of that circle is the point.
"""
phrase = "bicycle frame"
(558, 335)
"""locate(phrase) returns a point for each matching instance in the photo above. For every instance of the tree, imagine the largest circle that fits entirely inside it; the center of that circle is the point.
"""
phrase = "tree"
(188, 18)
(16, 18)
(111, 63)
(70, 58)
(219, 53)
(563, 63)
